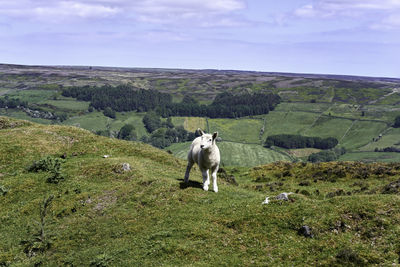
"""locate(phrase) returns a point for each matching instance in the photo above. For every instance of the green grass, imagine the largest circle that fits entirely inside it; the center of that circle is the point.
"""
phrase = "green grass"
(234, 154)
(93, 121)
(361, 133)
(32, 96)
(389, 138)
(147, 217)
(308, 107)
(72, 105)
(190, 124)
(237, 130)
(371, 157)
(390, 100)
(133, 118)
(327, 126)
(288, 122)
(18, 114)
(96, 121)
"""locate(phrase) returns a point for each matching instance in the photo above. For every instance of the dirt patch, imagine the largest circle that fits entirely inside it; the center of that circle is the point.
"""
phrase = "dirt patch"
(106, 200)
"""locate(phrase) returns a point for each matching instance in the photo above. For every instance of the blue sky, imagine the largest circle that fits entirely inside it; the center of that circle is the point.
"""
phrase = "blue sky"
(305, 36)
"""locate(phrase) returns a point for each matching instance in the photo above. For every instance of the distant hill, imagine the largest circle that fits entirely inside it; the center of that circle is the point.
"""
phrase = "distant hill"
(357, 111)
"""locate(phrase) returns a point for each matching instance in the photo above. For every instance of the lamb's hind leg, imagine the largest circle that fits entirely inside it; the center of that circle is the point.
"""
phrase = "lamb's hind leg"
(206, 179)
(188, 168)
(214, 176)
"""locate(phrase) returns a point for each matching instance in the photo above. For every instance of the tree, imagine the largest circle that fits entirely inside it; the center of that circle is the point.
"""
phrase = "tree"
(397, 122)
(127, 132)
(108, 112)
(151, 121)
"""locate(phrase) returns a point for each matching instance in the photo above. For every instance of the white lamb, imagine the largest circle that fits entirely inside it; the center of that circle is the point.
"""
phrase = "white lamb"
(205, 153)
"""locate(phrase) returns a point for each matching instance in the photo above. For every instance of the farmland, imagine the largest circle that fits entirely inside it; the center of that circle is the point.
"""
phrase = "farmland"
(354, 110)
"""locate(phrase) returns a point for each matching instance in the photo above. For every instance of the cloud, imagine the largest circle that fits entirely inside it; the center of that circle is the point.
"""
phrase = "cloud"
(202, 13)
(56, 9)
(195, 12)
(328, 8)
(75, 9)
(378, 13)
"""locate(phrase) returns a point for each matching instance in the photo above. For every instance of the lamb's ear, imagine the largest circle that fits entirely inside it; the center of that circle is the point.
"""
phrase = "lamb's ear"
(200, 131)
(215, 135)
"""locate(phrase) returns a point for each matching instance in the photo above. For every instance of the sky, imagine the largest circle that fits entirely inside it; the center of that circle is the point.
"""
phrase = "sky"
(351, 37)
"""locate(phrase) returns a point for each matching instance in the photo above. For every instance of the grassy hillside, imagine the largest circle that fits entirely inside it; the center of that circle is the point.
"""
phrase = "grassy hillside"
(101, 215)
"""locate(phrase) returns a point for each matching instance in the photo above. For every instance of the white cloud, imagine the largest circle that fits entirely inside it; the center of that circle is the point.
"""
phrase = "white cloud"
(196, 12)
(378, 13)
(75, 9)
(328, 8)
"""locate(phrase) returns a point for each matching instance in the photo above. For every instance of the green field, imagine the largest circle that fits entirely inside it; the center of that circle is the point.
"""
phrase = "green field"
(288, 122)
(190, 124)
(93, 121)
(32, 96)
(361, 133)
(371, 157)
(235, 154)
(96, 121)
(72, 104)
(237, 130)
(389, 138)
(304, 106)
(18, 114)
(327, 126)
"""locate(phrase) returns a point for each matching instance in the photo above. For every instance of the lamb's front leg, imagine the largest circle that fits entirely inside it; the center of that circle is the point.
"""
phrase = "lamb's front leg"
(206, 179)
(214, 176)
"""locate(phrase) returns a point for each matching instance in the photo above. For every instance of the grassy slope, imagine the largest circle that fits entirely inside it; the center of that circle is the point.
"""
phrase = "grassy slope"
(101, 216)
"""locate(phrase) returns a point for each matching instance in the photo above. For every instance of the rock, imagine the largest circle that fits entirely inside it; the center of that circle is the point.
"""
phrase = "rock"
(305, 231)
(266, 201)
(283, 196)
(126, 167)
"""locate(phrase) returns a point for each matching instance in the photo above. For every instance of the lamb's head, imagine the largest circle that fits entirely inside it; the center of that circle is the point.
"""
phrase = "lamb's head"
(207, 140)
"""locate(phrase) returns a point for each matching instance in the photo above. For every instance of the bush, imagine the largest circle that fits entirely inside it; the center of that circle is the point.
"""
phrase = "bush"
(127, 132)
(397, 122)
(3, 190)
(298, 141)
(51, 165)
(108, 112)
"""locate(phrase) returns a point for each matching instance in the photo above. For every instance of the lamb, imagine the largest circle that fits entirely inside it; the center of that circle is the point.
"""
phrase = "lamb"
(205, 153)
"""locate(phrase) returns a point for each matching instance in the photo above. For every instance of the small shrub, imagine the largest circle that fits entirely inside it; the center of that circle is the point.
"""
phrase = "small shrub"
(51, 165)
(101, 260)
(40, 241)
(348, 256)
(3, 190)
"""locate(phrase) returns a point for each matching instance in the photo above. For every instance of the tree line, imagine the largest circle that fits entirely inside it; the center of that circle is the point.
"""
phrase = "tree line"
(298, 141)
(164, 133)
(12, 102)
(128, 98)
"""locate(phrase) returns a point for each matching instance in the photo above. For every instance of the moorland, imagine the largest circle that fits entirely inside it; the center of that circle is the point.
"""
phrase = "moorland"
(74, 193)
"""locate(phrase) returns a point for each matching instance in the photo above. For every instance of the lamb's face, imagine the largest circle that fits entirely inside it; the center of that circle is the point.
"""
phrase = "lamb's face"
(206, 141)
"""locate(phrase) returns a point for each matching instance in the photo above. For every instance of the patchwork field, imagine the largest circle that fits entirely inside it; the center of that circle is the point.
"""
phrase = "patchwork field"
(355, 110)
(235, 154)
